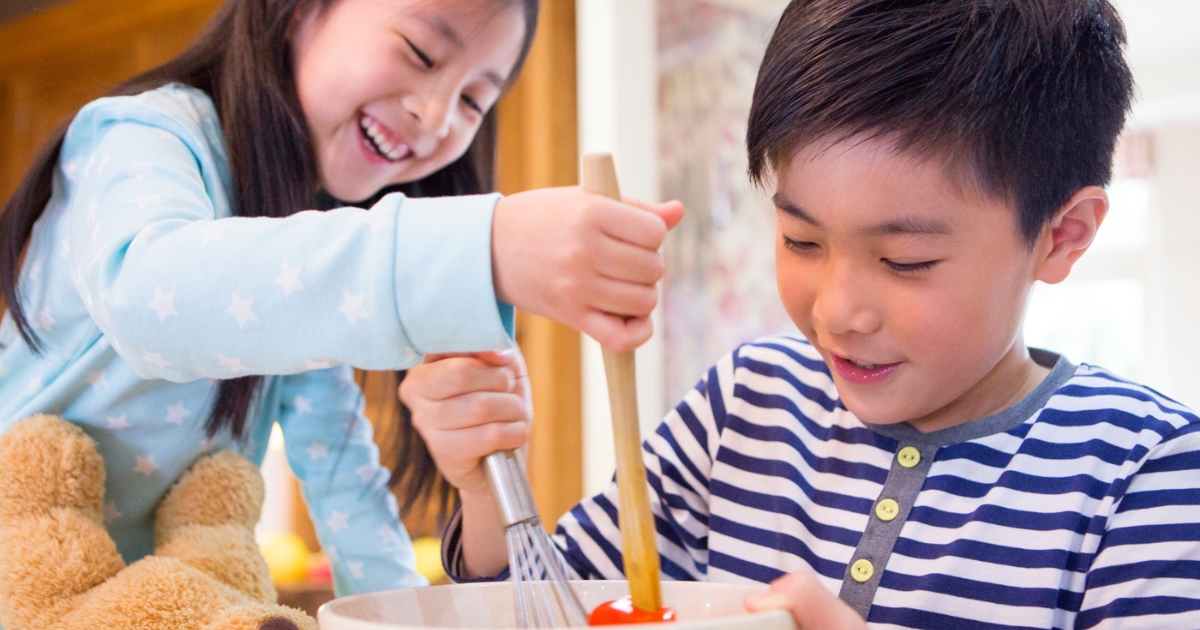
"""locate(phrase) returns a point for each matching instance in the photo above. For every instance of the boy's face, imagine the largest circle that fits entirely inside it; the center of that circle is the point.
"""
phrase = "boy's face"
(912, 289)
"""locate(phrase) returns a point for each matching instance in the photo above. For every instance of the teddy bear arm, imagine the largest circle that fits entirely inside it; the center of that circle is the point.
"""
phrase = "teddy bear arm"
(226, 552)
(221, 489)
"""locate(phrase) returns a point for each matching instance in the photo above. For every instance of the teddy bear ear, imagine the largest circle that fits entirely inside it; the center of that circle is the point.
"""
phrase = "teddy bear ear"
(47, 464)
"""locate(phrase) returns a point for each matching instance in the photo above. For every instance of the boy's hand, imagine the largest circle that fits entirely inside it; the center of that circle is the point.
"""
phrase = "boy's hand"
(582, 259)
(812, 605)
(466, 407)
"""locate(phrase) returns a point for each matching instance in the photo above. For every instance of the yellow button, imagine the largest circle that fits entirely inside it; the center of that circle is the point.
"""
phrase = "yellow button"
(887, 509)
(862, 570)
(908, 457)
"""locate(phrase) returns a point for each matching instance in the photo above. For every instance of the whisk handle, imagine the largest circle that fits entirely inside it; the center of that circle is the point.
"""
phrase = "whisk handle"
(510, 487)
(638, 549)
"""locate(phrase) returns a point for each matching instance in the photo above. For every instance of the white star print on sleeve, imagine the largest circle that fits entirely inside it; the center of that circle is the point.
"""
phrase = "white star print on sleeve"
(163, 304)
(352, 307)
(146, 465)
(176, 414)
(338, 521)
(354, 511)
(289, 279)
(302, 404)
(111, 513)
(98, 380)
(234, 365)
(317, 450)
(242, 310)
(367, 472)
(140, 170)
(185, 281)
(44, 320)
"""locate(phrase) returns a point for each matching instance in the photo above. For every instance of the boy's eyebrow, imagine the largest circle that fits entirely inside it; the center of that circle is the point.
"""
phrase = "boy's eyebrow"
(909, 225)
(445, 29)
(796, 211)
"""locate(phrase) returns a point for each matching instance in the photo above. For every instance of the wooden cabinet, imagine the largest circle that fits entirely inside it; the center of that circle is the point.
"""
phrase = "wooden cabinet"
(53, 62)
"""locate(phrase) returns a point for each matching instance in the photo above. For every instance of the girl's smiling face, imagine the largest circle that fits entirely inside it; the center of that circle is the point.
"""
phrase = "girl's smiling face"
(395, 90)
(912, 288)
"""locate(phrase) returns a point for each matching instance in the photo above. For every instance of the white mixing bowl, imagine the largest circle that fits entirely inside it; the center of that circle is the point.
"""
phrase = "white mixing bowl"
(700, 606)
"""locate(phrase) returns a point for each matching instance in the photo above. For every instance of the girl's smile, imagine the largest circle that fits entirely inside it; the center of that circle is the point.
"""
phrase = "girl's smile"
(381, 142)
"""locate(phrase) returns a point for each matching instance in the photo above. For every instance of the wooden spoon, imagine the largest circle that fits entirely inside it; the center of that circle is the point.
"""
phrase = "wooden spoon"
(638, 548)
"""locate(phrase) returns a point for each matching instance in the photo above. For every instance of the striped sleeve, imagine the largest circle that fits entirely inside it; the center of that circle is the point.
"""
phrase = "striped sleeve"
(679, 458)
(1146, 571)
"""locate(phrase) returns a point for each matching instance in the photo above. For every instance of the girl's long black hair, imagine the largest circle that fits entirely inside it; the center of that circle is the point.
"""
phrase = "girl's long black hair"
(243, 61)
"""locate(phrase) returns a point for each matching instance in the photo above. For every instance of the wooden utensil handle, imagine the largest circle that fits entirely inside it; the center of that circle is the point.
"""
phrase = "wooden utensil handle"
(638, 549)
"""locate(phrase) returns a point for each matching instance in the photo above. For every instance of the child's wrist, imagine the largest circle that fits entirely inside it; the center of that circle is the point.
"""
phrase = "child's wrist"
(482, 531)
(473, 499)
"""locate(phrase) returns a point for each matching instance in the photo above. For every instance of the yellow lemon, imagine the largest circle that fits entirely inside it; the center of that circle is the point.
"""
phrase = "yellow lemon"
(287, 557)
(429, 558)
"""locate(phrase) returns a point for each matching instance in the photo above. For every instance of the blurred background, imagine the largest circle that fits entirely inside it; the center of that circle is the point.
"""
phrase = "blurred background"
(665, 86)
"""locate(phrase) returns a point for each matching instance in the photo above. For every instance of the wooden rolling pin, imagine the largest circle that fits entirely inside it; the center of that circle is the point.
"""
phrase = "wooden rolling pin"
(638, 548)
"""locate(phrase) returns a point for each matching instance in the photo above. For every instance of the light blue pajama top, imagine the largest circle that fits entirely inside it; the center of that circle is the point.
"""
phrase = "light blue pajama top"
(145, 292)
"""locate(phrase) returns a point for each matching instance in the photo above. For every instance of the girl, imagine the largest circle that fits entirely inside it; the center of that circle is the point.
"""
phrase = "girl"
(165, 291)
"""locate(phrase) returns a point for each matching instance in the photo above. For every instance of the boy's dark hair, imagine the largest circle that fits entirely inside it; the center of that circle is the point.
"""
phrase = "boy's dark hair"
(1026, 96)
(242, 60)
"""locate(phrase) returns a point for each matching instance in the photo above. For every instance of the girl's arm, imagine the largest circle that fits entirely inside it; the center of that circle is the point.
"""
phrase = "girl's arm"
(330, 448)
(185, 292)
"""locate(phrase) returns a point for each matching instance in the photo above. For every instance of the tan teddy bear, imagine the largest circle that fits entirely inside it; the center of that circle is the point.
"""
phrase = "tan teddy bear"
(59, 570)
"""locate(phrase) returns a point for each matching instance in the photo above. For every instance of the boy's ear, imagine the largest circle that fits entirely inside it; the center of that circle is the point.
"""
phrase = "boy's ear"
(1070, 233)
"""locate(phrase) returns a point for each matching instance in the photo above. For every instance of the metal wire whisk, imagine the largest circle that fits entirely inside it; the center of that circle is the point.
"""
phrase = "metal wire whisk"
(543, 597)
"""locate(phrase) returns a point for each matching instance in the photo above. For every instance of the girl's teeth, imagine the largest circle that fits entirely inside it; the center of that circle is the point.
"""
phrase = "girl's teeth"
(382, 145)
(865, 366)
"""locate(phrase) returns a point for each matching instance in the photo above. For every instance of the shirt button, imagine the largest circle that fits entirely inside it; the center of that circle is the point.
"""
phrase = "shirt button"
(862, 570)
(908, 457)
(887, 509)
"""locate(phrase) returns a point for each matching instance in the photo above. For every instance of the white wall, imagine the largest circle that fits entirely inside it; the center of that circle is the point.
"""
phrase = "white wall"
(1164, 53)
(618, 105)
(1175, 293)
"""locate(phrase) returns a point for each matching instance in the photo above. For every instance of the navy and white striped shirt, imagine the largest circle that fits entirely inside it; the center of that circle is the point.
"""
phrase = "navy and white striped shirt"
(1077, 507)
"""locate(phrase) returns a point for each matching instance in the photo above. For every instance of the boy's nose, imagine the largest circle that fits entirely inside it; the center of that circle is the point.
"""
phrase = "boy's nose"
(843, 305)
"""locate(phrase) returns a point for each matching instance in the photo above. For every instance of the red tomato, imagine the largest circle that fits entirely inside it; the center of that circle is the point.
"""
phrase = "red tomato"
(622, 611)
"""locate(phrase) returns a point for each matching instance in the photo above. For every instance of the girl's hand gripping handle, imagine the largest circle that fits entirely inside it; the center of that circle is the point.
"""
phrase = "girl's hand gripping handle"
(589, 261)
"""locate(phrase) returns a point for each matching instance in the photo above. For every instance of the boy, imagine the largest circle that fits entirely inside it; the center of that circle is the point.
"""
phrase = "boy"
(932, 159)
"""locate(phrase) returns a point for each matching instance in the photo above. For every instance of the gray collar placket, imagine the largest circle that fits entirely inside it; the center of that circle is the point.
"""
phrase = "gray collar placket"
(906, 478)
